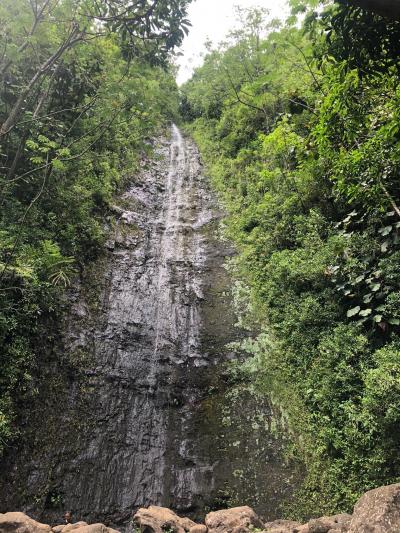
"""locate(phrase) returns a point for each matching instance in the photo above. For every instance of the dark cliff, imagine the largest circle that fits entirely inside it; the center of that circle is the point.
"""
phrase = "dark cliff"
(150, 417)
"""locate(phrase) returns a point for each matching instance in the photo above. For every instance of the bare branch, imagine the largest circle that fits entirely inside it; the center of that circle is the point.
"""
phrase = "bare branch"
(18, 238)
(75, 36)
(38, 17)
(238, 97)
(391, 199)
(310, 70)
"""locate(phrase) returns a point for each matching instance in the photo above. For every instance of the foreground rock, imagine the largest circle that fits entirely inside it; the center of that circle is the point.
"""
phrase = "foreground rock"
(160, 519)
(282, 526)
(236, 520)
(21, 523)
(68, 527)
(336, 523)
(378, 511)
(92, 528)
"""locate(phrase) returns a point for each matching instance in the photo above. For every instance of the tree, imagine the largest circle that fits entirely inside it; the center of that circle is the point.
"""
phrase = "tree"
(83, 86)
(148, 27)
(386, 8)
(305, 155)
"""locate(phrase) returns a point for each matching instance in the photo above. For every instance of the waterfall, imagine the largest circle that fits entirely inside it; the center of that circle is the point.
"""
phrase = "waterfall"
(180, 258)
(146, 421)
(151, 365)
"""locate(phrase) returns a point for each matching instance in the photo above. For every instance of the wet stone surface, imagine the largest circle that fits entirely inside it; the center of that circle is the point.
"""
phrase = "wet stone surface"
(142, 422)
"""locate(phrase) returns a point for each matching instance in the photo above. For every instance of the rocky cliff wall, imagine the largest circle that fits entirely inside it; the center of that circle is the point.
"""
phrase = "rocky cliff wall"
(151, 415)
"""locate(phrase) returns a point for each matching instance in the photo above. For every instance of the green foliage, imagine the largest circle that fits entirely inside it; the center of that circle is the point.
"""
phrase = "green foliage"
(75, 141)
(301, 142)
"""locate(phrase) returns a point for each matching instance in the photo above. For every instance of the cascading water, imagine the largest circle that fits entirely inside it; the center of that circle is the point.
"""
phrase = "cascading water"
(179, 245)
(142, 425)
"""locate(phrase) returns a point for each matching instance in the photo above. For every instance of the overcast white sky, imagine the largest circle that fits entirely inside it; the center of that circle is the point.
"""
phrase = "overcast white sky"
(213, 19)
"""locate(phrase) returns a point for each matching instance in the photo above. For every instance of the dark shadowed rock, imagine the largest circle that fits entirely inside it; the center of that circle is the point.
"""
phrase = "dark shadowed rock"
(228, 520)
(159, 519)
(377, 511)
(21, 523)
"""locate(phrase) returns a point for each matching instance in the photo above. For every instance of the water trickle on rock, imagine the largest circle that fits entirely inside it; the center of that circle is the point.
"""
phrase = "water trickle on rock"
(143, 423)
(181, 259)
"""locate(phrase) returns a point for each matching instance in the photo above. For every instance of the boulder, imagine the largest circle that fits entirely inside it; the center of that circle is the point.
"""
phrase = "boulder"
(227, 520)
(324, 524)
(282, 526)
(93, 528)
(159, 519)
(198, 528)
(377, 511)
(83, 527)
(21, 523)
(69, 527)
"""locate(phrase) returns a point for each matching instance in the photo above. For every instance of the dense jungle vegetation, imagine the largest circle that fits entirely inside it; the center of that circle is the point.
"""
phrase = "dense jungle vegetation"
(299, 126)
(84, 84)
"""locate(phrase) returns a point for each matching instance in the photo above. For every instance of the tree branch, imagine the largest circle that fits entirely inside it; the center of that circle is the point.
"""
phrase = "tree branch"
(75, 36)
(38, 16)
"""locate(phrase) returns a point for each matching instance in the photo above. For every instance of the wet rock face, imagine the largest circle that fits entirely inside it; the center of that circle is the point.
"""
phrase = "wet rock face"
(147, 346)
(137, 427)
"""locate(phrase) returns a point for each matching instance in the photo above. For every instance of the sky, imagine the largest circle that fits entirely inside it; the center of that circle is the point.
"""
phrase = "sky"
(212, 19)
